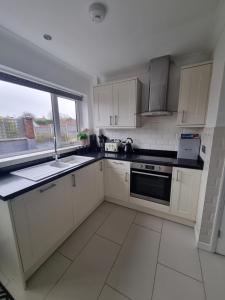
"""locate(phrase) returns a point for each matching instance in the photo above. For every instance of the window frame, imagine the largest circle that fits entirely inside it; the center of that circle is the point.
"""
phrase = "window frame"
(56, 119)
(28, 156)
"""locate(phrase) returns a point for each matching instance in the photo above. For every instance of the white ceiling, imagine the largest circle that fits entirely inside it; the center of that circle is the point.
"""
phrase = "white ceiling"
(133, 31)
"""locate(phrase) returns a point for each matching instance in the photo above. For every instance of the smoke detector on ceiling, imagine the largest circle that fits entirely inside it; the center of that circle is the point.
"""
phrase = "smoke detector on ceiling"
(97, 12)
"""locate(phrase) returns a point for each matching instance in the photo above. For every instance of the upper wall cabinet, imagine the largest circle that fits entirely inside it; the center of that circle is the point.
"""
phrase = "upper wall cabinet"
(116, 105)
(193, 98)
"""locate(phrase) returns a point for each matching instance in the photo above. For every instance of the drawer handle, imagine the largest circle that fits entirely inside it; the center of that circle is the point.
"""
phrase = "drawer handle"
(110, 120)
(101, 166)
(47, 188)
(126, 177)
(117, 163)
(74, 180)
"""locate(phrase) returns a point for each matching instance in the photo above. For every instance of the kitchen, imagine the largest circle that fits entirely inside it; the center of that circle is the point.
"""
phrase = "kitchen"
(112, 170)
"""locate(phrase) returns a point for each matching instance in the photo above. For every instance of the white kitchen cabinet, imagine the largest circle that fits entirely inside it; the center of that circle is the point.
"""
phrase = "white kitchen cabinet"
(117, 180)
(42, 217)
(185, 192)
(193, 97)
(88, 189)
(124, 108)
(103, 106)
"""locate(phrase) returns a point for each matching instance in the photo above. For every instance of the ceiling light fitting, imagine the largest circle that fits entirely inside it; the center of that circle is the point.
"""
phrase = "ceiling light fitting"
(97, 12)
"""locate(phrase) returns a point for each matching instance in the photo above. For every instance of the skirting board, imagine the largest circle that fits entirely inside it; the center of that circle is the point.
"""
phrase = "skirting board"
(204, 246)
(151, 212)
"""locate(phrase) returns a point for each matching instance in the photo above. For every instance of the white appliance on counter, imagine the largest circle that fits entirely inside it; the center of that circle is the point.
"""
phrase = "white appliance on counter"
(112, 146)
(189, 146)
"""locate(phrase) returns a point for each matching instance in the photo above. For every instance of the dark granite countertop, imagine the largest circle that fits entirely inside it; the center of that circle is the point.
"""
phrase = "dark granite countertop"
(12, 185)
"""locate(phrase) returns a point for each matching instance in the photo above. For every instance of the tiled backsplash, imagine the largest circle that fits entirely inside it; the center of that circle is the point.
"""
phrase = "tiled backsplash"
(160, 133)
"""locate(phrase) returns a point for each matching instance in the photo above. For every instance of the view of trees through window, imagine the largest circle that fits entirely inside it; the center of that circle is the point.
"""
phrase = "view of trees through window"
(26, 120)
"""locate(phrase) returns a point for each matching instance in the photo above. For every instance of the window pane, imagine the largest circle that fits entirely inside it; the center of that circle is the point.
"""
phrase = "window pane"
(68, 121)
(26, 123)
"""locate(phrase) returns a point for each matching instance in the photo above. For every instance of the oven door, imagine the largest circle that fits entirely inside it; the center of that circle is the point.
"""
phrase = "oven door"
(151, 186)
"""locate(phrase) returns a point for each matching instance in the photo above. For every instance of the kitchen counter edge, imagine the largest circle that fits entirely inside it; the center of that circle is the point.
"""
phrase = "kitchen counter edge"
(180, 163)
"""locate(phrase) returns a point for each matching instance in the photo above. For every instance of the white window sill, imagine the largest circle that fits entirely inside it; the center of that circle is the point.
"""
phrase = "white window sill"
(28, 157)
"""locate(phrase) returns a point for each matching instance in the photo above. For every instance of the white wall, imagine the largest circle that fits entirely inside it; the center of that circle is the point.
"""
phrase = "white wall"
(214, 135)
(19, 54)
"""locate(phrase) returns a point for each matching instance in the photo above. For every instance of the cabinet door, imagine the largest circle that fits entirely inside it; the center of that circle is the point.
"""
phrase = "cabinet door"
(185, 192)
(117, 181)
(124, 103)
(42, 217)
(85, 191)
(193, 99)
(103, 106)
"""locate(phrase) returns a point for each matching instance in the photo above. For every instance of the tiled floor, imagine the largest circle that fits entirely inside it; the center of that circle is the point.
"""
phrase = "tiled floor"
(120, 254)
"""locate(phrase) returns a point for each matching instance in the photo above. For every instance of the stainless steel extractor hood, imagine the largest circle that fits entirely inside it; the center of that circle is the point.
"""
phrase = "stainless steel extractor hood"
(158, 87)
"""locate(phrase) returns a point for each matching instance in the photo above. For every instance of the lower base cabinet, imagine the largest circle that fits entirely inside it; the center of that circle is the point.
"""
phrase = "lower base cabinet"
(41, 217)
(117, 180)
(185, 192)
(87, 189)
(45, 216)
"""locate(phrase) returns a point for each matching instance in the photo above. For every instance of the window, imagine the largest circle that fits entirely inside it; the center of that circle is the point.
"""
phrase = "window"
(30, 118)
(67, 121)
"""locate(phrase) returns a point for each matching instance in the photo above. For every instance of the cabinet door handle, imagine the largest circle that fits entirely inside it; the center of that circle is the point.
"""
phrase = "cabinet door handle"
(126, 177)
(117, 163)
(182, 118)
(47, 188)
(110, 120)
(116, 120)
(74, 180)
(101, 166)
(177, 179)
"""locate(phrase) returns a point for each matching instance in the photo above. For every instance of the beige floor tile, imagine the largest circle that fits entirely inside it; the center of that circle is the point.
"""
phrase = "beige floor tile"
(86, 276)
(110, 294)
(171, 285)
(149, 221)
(79, 238)
(178, 250)
(106, 207)
(213, 268)
(43, 280)
(117, 224)
(134, 271)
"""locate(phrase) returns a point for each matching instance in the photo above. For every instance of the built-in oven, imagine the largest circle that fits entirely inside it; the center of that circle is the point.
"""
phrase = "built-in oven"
(151, 182)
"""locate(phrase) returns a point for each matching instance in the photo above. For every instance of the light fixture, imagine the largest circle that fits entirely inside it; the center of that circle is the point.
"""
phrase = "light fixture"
(97, 12)
(47, 37)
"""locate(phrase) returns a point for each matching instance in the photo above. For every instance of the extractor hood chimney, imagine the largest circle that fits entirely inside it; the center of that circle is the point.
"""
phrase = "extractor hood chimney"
(158, 86)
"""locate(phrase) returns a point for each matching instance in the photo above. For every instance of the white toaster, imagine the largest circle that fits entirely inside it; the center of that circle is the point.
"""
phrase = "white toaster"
(112, 146)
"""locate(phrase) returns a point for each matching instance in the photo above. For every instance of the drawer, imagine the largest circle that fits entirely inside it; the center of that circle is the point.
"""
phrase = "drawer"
(117, 164)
